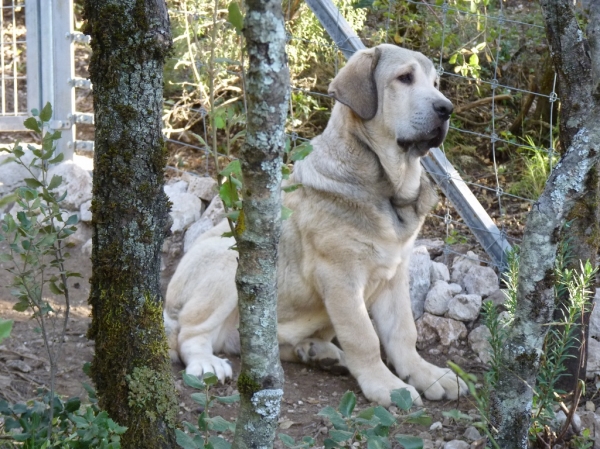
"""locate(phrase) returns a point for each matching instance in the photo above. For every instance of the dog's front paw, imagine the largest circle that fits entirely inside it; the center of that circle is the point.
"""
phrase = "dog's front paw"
(436, 383)
(380, 390)
(219, 367)
(323, 354)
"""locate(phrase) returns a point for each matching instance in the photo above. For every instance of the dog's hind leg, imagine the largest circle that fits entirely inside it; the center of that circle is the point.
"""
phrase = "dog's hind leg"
(316, 352)
(199, 342)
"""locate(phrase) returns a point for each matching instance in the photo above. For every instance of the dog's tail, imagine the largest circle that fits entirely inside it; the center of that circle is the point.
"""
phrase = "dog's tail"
(172, 330)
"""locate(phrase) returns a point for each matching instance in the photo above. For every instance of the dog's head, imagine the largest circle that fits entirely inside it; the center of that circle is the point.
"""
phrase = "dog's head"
(395, 91)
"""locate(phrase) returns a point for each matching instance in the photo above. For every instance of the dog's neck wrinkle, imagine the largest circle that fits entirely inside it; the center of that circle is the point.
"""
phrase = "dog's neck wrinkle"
(377, 175)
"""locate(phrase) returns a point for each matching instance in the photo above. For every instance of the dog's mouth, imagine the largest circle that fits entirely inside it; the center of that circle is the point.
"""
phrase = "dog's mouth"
(431, 139)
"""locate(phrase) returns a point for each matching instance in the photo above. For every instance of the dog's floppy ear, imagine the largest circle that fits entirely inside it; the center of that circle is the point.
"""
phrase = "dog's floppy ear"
(355, 85)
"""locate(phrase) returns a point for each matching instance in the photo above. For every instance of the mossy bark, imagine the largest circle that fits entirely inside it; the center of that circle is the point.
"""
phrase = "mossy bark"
(267, 88)
(511, 402)
(131, 369)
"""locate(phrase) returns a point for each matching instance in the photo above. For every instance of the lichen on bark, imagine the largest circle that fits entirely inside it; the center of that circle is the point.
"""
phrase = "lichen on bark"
(131, 369)
(267, 89)
(511, 402)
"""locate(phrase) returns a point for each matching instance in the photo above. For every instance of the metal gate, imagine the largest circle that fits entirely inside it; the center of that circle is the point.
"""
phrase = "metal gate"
(37, 57)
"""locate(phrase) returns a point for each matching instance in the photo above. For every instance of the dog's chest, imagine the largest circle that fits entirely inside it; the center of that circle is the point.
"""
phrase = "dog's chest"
(388, 254)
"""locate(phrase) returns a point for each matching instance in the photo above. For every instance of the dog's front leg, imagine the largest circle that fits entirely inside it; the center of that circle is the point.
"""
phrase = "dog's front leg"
(392, 314)
(343, 295)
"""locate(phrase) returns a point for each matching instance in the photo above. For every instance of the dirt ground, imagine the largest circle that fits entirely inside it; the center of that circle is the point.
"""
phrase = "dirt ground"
(306, 391)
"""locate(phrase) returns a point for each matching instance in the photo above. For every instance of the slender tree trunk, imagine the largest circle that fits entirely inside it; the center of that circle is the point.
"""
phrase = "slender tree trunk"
(258, 229)
(131, 368)
(511, 403)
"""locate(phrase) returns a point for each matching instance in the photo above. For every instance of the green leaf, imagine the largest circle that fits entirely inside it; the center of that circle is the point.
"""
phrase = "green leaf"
(286, 212)
(419, 417)
(219, 122)
(301, 151)
(46, 113)
(228, 399)
(329, 444)
(347, 404)
(210, 379)
(184, 440)
(340, 435)
(402, 398)
(56, 289)
(367, 413)
(235, 17)
(219, 424)
(457, 415)
(410, 442)
(200, 398)
(5, 328)
(233, 168)
(55, 182)
(287, 440)
(72, 405)
(291, 188)
(219, 443)
(385, 417)
(21, 306)
(376, 442)
(32, 183)
(193, 381)
(59, 158)
(73, 219)
(32, 124)
(334, 416)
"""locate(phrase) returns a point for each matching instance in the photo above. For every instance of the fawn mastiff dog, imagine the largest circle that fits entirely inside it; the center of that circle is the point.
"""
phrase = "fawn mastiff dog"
(344, 252)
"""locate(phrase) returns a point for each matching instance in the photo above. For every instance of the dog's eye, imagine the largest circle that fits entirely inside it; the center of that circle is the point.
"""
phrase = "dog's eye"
(406, 78)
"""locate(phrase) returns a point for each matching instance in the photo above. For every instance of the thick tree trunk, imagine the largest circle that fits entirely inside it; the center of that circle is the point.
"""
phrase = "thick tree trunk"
(511, 403)
(258, 229)
(576, 78)
(131, 368)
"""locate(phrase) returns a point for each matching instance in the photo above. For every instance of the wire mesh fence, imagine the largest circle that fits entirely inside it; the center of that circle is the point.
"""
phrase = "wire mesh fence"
(491, 55)
(492, 59)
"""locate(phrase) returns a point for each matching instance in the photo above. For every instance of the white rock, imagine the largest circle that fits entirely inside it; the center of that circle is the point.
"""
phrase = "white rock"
(431, 329)
(595, 317)
(472, 434)
(76, 181)
(439, 272)
(438, 297)
(462, 265)
(482, 281)
(174, 187)
(434, 246)
(185, 210)
(80, 236)
(436, 426)
(204, 188)
(479, 342)
(464, 307)
(215, 211)
(593, 364)
(590, 420)
(456, 444)
(12, 174)
(86, 249)
(195, 231)
(498, 297)
(85, 213)
(419, 272)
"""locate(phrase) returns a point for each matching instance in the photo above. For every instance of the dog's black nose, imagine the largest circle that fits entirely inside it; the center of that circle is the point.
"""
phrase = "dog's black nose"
(443, 108)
